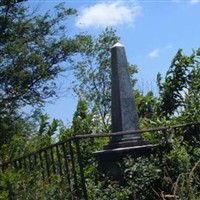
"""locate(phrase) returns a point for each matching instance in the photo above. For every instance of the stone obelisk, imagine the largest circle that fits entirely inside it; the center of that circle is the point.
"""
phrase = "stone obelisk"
(124, 111)
(124, 118)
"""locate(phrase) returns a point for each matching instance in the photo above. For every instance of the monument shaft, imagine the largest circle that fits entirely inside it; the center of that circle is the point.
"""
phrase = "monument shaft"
(124, 111)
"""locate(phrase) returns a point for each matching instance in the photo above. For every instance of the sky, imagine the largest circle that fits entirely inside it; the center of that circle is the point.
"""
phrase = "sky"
(151, 32)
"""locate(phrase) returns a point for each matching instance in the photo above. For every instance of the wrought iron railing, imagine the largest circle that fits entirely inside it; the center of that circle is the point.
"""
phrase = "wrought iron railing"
(66, 158)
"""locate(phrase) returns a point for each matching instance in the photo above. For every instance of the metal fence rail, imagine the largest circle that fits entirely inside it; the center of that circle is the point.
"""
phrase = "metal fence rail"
(65, 158)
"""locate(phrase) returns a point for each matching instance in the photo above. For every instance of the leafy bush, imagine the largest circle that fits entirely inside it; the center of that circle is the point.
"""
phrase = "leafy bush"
(21, 186)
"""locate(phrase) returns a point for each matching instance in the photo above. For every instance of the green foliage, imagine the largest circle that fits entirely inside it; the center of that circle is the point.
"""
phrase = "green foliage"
(113, 191)
(20, 144)
(32, 57)
(146, 104)
(142, 176)
(171, 171)
(18, 131)
(180, 90)
(46, 128)
(82, 122)
(22, 185)
(32, 54)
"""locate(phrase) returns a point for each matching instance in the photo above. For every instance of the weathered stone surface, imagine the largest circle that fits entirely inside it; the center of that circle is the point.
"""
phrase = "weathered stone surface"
(124, 111)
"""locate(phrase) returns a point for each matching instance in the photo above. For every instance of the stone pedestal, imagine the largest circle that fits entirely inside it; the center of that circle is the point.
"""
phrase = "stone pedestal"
(109, 160)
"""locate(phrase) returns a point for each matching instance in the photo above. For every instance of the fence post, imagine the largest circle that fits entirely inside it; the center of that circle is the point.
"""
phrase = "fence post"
(73, 166)
(2, 167)
(66, 166)
(41, 164)
(53, 161)
(47, 165)
(59, 160)
(81, 169)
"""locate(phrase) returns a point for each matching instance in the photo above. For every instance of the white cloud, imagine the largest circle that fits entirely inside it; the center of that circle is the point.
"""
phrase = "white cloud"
(154, 54)
(194, 1)
(157, 52)
(169, 46)
(108, 14)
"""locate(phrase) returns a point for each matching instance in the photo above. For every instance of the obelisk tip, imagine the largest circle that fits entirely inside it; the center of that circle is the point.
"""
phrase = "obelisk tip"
(117, 45)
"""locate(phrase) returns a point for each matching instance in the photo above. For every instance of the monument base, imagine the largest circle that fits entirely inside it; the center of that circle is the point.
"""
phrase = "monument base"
(109, 159)
(125, 142)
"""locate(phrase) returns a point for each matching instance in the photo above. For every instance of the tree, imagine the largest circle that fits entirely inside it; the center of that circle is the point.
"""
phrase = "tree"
(146, 104)
(180, 89)
(33, 48)
(82, 122)
(93, 76)
(31, 54)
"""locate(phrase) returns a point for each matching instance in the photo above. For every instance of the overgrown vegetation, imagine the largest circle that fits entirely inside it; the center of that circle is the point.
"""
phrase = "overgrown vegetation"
(30, 60)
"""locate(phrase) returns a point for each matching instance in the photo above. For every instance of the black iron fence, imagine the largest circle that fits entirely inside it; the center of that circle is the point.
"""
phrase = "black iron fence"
(69, 158)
